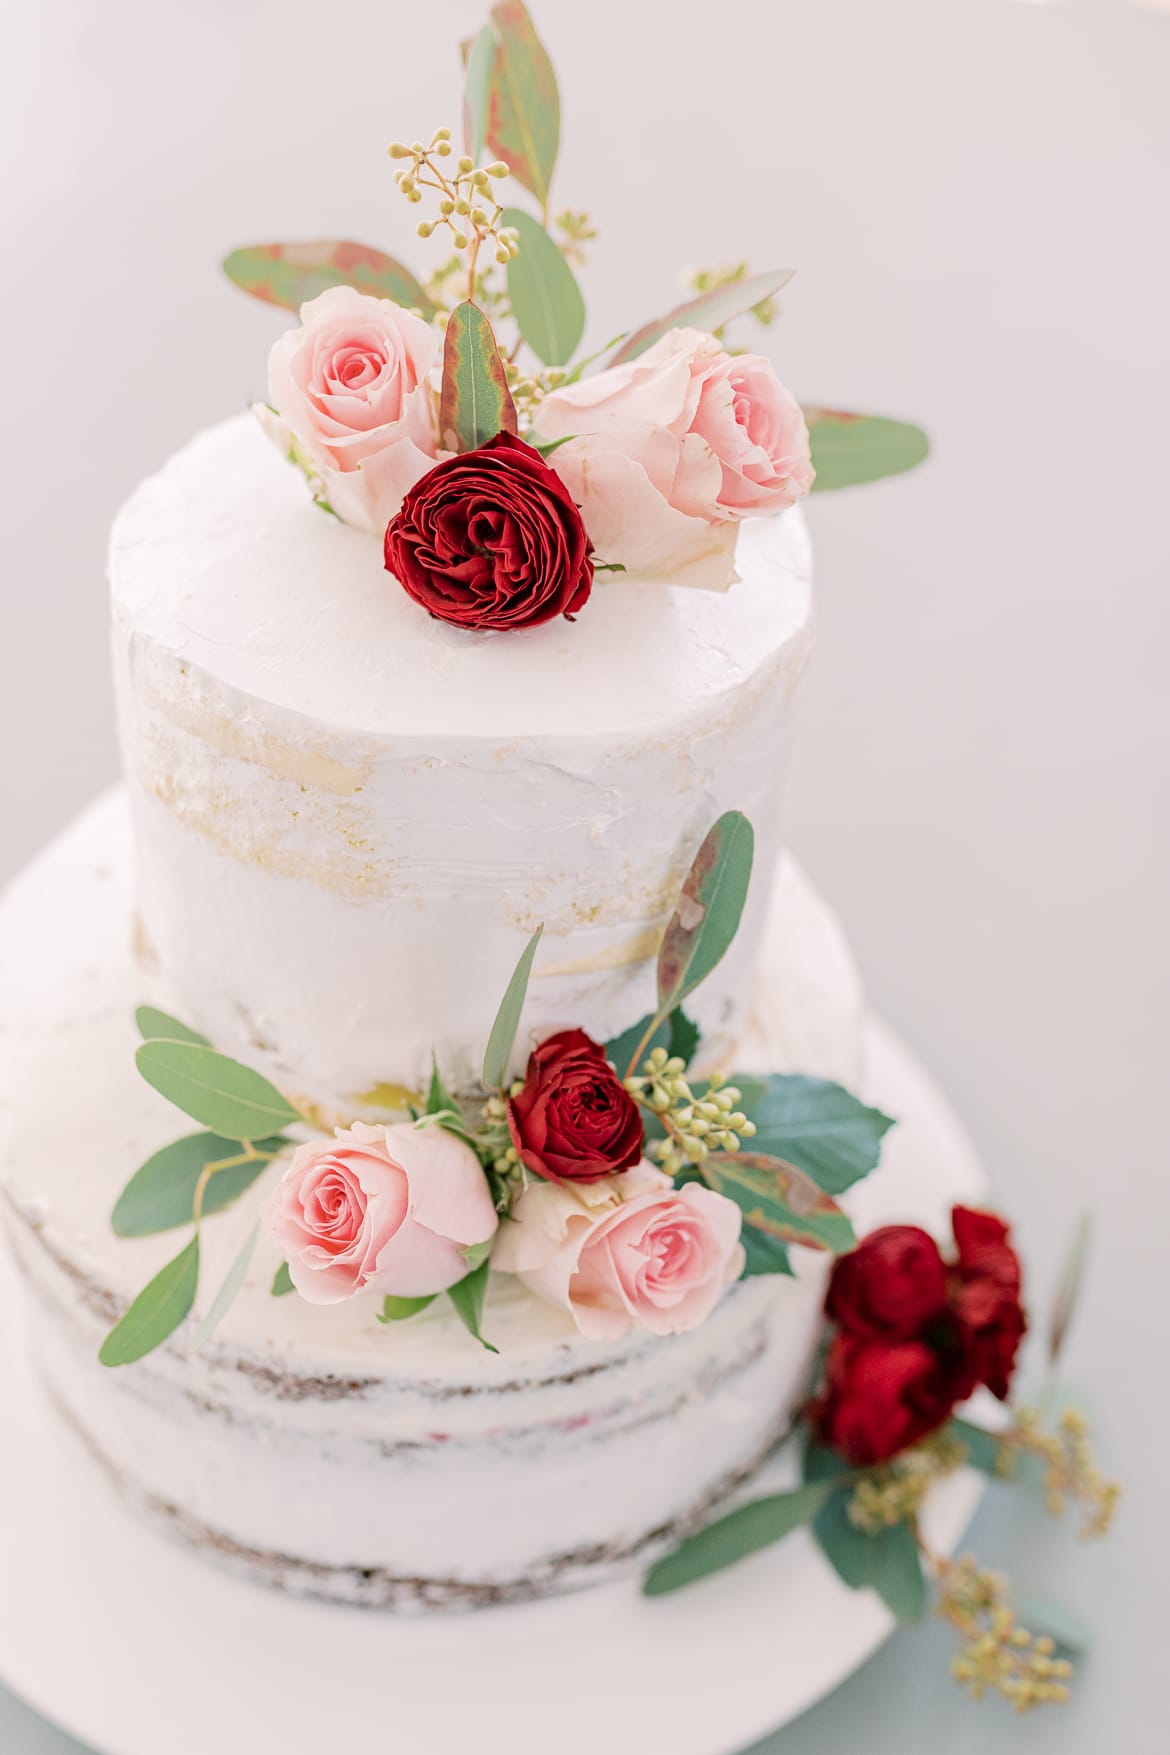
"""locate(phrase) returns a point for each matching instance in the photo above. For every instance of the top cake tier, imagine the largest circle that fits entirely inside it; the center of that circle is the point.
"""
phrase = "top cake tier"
(349, 817)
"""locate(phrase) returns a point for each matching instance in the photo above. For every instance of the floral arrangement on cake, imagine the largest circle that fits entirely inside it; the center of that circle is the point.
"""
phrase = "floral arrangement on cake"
(455, 419)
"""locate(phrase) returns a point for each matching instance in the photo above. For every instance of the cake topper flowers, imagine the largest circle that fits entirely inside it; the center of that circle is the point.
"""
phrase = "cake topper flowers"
(660, 444)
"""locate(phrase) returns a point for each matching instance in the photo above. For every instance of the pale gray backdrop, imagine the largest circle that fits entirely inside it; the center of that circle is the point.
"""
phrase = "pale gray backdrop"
(974, 194)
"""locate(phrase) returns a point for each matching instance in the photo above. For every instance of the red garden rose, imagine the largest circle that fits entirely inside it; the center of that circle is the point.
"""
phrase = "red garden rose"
(916, 1334)
(890, 1286)
(491, 538)
(574, 1121)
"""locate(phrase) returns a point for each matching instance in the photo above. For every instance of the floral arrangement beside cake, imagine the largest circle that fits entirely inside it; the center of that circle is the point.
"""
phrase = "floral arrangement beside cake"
(632, 1232)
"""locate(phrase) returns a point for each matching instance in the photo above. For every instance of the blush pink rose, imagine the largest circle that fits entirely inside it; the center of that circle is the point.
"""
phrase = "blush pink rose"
(383, 1209)
(634, 1252)
(353, 403)
(667, 453)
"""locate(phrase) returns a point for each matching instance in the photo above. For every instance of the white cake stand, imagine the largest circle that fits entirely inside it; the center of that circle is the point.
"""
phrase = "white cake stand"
(135, 1645)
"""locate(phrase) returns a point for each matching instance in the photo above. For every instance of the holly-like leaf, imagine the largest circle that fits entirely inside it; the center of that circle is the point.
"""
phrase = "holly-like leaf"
(731, 1538)
(475, 402)
(154, 1025)
(848, 449)
(282, 1283)
(708, 912)
(478, 72)
(543, 292)
(523, 124)
(503, 1033)
(1068, 1288)
(888, 1562)
(684, 1036)
(215, 1090)
(780, 1200)
(400, 1309)
(468, 1295)
(763, 1254)
(229, 1291)
(156, 1312)
(290, 274)
(815, 1124)
(710, 310)
(161, 1195)
(678, 1034)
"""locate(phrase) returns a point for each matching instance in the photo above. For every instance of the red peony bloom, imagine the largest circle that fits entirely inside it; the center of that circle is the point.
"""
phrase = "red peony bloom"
(880, 1398)
(574, 1121)
(916, 1334)
(491, 538)
(890, 1286)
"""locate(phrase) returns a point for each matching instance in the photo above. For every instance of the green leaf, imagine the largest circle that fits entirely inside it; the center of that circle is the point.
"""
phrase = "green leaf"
(161, 1195)
(983, 1448)
(678, 1034)
(684, 1036)
(475, 1254)
(848, 449)
(399, 1309)
(503, 1034)
(229, 1291)
(477, 84)
(221, 1093)
(763, 1254)
(468, 1295)
(731, 1538)
(780, 1200)
(543, 292)
(711, 310)
(153, 1025)
(1068, 1288)
(282, 1282)
(156, 1312)
(439, 1098)
(1044, 1618)
(475, 402)
(524, 115)
(815, 1124)
(290, 274)
(548, 446)
(888, 1563)
(708, 912)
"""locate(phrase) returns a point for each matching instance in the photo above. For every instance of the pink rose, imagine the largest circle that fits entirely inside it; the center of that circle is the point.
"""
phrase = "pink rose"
(665, 454)
(388, 1209)
(631, 1252)
(354, 406)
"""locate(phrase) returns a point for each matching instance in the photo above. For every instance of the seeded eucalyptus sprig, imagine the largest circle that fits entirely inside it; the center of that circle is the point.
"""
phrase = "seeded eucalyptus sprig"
(466, 204)
(695, 1124)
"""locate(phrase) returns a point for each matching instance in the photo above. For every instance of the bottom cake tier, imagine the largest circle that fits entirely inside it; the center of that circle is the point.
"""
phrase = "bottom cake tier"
(314, 1449)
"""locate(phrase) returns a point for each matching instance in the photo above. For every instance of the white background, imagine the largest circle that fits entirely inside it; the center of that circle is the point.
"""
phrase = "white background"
(974, 195)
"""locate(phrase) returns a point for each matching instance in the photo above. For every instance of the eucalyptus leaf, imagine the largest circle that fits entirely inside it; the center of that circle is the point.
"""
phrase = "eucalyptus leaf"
(282, 1283)
(474, 402)
(153, 1025)
(221, 1093)
(742, 1532)
(708, 911)
(156, 1312)
(468, 1296)
(503, 1031)
(983, 1448)
(161, 1195)
(778, 1199)
(543, 292)
(710, 310)
(401, 1309)
(229, 1291)
(849, 449)
(815, 1124)
(523, 111)
(477, 88)
(290, 274)
(888, 1562)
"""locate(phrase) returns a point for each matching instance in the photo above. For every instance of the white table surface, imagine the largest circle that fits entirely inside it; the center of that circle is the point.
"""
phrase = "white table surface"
(975, 195)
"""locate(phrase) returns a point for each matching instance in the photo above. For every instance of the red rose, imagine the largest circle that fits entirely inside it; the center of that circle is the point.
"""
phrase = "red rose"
(492, 539)
(890, 1286)
(574, 1121)
(879, 1398)
(985, 1295)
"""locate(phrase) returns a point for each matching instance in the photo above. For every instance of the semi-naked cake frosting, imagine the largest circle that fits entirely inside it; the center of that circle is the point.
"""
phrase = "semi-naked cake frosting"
(399, 1467)
(349, 817)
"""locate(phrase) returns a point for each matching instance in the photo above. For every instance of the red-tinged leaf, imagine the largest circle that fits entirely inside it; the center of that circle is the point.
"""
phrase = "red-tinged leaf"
(711, 310)
(1068, 1288)
(479, 62)
(290, 274)
(708, 912)
(780, 1200)
(523, 112)
(848, 449)
(475, 402)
